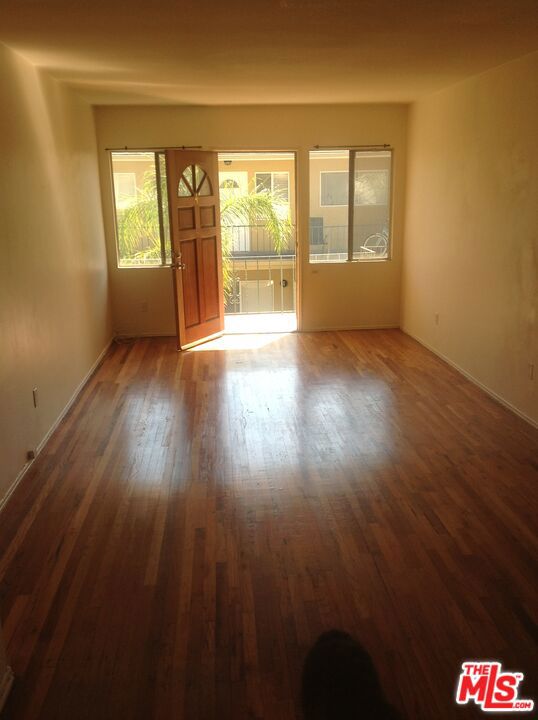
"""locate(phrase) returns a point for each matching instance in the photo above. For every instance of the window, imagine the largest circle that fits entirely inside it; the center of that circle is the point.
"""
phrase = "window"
(338, 232)
(277, 183)
(141, 204)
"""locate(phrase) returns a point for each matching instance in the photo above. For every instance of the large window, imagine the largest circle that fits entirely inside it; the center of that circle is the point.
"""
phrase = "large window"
(140, 197)
(340, 232)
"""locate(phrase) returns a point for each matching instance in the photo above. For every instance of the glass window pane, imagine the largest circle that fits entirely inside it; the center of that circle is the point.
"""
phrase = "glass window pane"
(137, 211)
(371, 212)
(329, 183)
(334, 188)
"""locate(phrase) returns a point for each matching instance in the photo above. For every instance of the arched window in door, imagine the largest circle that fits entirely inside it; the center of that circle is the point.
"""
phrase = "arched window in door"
(194, 181)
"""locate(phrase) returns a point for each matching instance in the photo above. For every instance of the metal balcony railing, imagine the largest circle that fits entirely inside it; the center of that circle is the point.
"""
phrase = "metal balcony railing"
(261, 279)
(256, 239)
(329, 242)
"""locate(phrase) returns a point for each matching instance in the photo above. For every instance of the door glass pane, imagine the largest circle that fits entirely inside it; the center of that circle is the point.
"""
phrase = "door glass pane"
(199, 175)
(371, 216)
(187, 174)
(205, 188)
(183, 189)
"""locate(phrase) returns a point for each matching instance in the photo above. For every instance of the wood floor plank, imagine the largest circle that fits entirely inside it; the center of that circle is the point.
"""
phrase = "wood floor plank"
(198, 519)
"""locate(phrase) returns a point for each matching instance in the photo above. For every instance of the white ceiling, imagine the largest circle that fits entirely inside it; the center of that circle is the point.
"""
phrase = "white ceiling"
(266, 51)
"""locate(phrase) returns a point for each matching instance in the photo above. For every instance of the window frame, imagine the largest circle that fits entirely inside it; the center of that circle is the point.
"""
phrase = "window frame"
(352, 154)
(272, 173)
(164, 263)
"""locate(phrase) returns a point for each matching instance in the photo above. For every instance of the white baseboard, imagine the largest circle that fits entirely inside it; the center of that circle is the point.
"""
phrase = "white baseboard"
(133, 336)
(43, 442)
(6, 681)
(339, 328)
(472, 379)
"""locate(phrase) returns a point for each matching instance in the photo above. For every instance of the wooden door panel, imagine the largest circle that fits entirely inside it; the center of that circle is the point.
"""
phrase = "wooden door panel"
(209, 259)
(185, 218)
(190, 283)
(207, 217)
(193, 198)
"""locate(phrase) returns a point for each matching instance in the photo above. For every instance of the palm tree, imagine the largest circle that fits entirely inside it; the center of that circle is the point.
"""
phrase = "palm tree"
(138, 225)
(258, 208)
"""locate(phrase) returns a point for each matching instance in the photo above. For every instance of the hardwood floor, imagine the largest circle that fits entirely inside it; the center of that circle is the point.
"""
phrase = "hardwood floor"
(199, 518)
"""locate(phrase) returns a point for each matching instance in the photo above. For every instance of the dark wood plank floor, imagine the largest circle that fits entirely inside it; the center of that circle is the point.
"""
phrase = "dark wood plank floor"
(199, 518)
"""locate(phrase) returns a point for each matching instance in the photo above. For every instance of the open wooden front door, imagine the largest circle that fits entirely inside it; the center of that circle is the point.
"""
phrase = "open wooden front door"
(193, 196)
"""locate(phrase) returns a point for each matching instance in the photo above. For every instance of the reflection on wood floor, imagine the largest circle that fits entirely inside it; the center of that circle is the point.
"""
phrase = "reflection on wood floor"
(199, 518)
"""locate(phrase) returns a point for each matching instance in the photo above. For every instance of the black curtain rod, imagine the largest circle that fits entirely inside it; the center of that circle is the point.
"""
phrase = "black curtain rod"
(350, 147)
(199, 147)
(176, 147)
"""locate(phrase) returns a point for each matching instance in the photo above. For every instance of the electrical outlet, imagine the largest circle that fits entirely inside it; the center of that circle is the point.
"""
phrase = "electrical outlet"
(531, 371)
(436, 318)
(34, 393)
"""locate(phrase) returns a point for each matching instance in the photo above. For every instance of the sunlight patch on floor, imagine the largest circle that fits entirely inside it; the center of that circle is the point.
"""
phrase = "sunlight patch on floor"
(260, 323)
(238, 341)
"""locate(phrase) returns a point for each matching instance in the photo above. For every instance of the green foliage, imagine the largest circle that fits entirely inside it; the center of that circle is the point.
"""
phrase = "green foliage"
(138, 225)
(255, 209)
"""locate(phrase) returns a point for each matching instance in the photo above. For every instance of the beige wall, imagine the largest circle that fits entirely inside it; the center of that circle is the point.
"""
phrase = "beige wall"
(53, 278)
(347, 295)
(471, 245)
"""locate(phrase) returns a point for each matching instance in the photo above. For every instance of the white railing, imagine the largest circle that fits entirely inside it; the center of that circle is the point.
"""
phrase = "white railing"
(261, 283)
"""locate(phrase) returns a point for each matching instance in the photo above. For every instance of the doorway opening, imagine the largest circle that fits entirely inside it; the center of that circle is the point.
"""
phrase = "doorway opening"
(257, 210)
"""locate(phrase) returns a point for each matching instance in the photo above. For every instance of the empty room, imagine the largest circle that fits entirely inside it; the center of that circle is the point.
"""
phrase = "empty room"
(269, 360)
